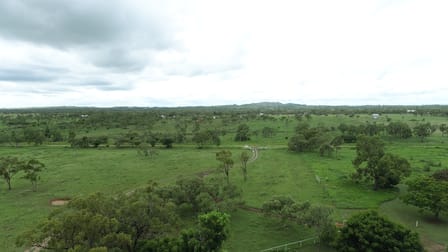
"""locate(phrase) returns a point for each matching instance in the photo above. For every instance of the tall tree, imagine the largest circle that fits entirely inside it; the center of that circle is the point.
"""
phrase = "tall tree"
(423, 130)
(225, 157)
(9, 166)
(32, 169)
(242, 133)
(244, 158)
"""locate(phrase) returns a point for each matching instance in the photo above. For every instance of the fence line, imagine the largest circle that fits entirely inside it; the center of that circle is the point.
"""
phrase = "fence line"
(285, 246)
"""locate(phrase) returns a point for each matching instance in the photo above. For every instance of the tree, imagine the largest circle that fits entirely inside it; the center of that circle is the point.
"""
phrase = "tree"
(427, 193)
(32, 169)
(213, 230)
(327, 149)
(225, 157)
(33, 135)
(444, 129)
(318, 217)
(167, 141)
(119, 223)
(268, 132)
(197, 195)
(242, 133)
(399, 129)
(210, 234)
(337, 142)
(244, 158)
(370, 232)
(71, 136)
(146, 150)
(202, 138)
(423, 130)
(441, 175)
(390, 170)
(16, 138)
(307, 139)
(9, 166)
(372, 163)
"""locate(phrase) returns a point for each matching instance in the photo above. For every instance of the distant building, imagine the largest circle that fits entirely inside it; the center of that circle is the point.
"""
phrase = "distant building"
(410, 111)
(375, 116)
(84, 116)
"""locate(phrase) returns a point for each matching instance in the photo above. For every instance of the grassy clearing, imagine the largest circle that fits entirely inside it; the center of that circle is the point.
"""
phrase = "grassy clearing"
(75, 172)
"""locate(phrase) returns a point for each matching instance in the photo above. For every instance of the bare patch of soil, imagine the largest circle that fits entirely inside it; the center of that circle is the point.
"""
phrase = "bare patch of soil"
(59, 202)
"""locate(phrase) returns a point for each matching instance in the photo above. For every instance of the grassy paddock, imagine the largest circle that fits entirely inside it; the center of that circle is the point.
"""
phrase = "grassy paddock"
(304, 177)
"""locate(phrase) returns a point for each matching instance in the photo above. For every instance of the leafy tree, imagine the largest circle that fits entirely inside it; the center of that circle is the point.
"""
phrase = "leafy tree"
(390, 170)
(242, 133)
(9, 166)
(305, 214)
(197, 195)
(444, 129)
(370, 232)
(213, 230)
(306, 138)
(33, 135)
(268, 132)
(326, 149)
(32, 169)
(336, 142)
(97, 141)
(399, 129)
(210, 234)
(56, 136)
(167, 141)
(71, 136)
(427, 193)
(287, 209)
(121, 223)
(244, 158)
(16, 138)
(320, 218)
(441, 175)
(202, 138)
(225, 157)
(372, 163)
(423, 130)
(146, 150)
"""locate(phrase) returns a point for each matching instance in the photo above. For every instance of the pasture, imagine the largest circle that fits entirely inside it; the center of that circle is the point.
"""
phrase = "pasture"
(72, 172)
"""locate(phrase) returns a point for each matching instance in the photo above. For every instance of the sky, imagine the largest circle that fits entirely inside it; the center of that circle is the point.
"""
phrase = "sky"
(203, 52)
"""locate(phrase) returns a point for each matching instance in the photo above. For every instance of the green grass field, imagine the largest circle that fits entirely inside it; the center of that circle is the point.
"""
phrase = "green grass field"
(304, 177)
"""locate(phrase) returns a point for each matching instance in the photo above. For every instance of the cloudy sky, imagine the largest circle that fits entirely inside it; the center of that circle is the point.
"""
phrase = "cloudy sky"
(205, 52)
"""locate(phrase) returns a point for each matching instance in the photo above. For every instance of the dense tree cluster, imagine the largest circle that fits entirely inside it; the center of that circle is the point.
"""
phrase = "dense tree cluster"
(399, 129)
(290, 211)
(307, 138)
(144, 220)
(372, 163)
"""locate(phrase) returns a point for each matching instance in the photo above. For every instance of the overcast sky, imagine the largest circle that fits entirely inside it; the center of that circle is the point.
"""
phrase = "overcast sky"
(176, 53)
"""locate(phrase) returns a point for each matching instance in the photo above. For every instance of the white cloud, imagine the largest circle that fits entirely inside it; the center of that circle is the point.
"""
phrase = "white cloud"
(152, 53)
